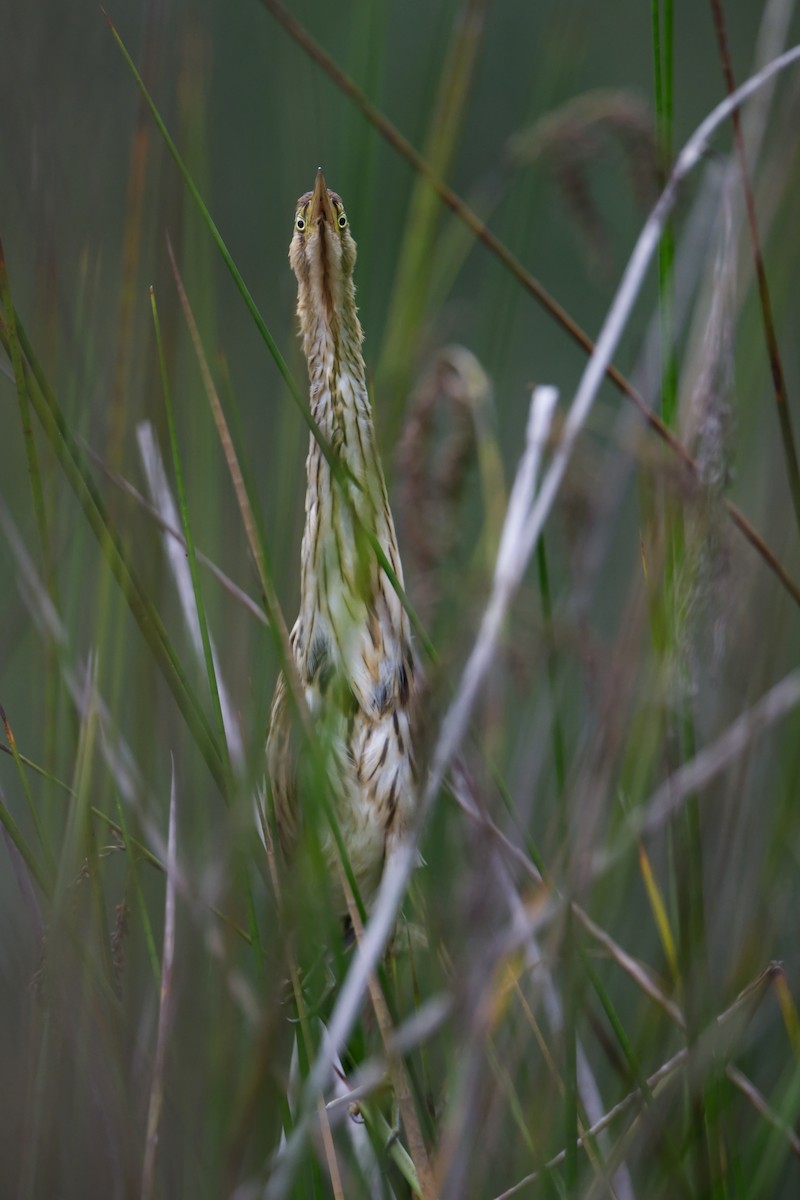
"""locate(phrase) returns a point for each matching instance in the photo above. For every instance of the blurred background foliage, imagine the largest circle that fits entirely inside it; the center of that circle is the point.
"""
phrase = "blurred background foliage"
(646, 626)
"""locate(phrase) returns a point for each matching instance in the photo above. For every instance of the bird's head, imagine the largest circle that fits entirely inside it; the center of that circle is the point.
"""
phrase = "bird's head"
(322, 250)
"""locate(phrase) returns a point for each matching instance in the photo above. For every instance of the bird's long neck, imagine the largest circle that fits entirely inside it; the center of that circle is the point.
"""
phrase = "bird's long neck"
(339, 569)
(332, 342)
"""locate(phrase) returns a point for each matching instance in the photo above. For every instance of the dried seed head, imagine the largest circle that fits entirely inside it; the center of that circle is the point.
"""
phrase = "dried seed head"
(709, 430)
(598, 126)
(435, 452)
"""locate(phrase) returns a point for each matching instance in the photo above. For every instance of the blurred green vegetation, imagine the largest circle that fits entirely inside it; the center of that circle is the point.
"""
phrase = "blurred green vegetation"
(648, 628)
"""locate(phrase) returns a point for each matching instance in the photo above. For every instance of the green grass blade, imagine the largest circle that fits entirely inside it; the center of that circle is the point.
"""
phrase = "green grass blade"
(252, 308)
(72, 462)
(27, 855)
(227, 258)
(32, 808)
(34, 472)
(416, 255)
(33, 766)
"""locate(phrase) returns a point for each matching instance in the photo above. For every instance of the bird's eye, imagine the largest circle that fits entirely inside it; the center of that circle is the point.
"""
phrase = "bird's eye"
(300, 224)
(342, 221)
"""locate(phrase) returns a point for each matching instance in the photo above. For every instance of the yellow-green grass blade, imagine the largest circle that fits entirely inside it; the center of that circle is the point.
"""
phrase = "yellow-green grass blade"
(416, 257)
(21, 843)
(32, 807)
(72, 461)
(216, 236)
(29, 441)
(258, 319)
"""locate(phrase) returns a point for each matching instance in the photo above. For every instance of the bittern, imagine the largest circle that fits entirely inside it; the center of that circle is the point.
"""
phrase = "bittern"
(351, 641)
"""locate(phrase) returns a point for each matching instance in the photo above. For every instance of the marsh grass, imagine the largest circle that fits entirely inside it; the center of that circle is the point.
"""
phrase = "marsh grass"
(594, 990)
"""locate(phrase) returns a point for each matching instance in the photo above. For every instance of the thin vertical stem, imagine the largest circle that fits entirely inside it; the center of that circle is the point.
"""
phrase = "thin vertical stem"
(773, 350)
(662, 23)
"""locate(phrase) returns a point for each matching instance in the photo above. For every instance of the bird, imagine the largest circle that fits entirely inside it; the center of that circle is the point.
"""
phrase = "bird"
(351, 643)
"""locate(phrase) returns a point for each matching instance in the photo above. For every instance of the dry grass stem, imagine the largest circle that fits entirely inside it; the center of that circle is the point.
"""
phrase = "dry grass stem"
(157, 1086)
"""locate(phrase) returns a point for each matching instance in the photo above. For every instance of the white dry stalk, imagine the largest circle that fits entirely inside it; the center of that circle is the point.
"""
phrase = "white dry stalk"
(693, 776)
(415, 1031)
(637, 971)
(401, 863)
(536, 962)
(516, 546)
(715, 352)
(670, 796)
(721, 179)
(592, 378)
(165, 1008)
(164, 504)
(631, 283)
(400, 866)
(772, 34)
(293, 1084)
(662, 806)
(690, 255)
(513, 853)
(116, 753)
(751, 994)
(763, 1107)
(357, 1131)
(125, 486)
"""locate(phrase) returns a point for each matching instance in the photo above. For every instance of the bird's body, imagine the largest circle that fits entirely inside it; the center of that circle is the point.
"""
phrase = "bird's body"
(351, 640)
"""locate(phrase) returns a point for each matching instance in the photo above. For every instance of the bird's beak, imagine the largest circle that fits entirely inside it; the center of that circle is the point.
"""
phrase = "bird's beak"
(320, 207)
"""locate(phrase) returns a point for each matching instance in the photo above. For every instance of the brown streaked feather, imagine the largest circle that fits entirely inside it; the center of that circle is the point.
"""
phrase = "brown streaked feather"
(351, 642)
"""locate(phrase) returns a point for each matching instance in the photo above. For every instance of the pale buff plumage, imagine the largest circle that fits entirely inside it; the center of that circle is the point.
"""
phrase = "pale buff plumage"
(351, 640)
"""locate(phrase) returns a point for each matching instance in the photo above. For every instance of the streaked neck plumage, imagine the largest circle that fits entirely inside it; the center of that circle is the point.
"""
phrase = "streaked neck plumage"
(341, 580)
(351, 641)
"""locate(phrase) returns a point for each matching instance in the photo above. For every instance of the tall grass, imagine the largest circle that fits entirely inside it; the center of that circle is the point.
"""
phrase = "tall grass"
(593, 991)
